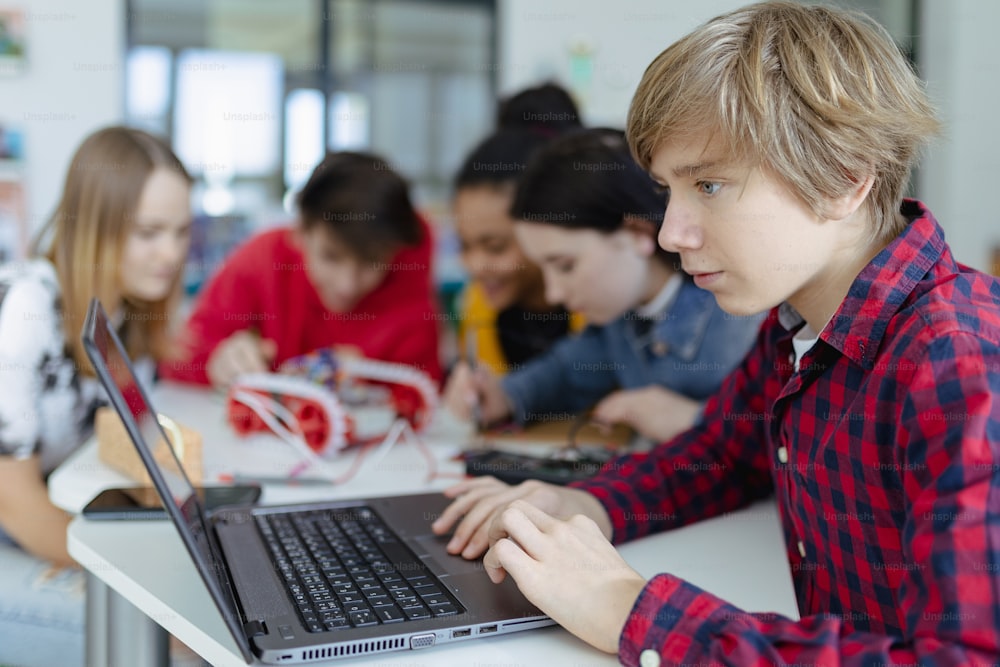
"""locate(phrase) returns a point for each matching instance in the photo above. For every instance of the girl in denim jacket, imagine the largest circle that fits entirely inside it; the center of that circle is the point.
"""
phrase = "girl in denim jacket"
(657, 344)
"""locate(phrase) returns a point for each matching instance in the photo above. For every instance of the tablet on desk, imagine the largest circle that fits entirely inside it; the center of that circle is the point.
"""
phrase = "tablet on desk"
(582, 448)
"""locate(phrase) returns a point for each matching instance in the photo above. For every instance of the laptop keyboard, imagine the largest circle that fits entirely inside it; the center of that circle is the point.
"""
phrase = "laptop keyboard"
(344, 568)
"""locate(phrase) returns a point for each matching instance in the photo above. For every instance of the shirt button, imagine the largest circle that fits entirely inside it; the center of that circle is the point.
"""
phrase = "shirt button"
(782, 454)
(649, 658)
(802, 549)
(660, 348)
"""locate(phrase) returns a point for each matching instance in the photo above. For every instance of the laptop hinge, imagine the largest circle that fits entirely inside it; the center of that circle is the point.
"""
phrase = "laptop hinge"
(254, 628)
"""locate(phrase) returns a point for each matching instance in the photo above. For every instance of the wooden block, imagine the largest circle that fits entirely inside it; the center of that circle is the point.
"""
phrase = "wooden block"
(115, 448)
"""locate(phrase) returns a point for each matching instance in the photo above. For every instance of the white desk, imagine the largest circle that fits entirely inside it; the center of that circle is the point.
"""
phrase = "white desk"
(739, 557)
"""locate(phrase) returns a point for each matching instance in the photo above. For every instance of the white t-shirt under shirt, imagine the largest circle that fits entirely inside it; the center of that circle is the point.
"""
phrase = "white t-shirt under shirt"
(802, 342)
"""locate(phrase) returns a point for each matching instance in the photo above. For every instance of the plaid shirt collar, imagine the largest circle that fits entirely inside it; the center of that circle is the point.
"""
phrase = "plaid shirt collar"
(881, 289)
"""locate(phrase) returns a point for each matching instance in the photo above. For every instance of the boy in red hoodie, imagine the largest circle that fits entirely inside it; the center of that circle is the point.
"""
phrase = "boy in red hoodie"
(354, 272)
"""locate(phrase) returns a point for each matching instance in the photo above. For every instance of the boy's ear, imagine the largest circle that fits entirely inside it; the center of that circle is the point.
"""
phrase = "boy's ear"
(845, 205)
(643, 231)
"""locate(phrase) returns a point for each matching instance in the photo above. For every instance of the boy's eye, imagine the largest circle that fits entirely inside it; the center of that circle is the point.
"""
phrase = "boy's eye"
(565, 267)
(708, 187)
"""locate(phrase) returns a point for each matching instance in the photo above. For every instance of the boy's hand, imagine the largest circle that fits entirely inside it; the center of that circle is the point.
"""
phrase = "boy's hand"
(467, 388)
(654, 412)
(243, 352)
(478, 502)
(566, 568)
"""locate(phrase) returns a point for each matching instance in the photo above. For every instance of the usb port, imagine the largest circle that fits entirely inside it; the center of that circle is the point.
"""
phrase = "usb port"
(487, 629)
(465, 632)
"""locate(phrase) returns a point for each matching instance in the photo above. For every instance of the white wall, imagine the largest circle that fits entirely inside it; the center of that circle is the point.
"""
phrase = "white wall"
(960, 59)
(537, 40)
(71, 84)
(960, 174)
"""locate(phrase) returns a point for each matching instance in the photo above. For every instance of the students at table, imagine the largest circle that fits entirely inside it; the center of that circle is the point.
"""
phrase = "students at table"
(120, 233)
(503, 307)
(869, 405)
(658, 346)
(354, 272)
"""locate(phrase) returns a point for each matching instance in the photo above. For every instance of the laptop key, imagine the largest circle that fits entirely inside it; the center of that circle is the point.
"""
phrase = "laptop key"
(362, 618)
(443, 609)
(315, 626)
(374, 592)
(389, 576)
(353, 607)
(336, 624)
(409, 603)
(397, 586)
(416, 613)
(401, 593)
(434, 600)
(389, 614)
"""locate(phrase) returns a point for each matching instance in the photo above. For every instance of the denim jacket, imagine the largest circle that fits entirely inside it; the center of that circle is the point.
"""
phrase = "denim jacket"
(690, 349)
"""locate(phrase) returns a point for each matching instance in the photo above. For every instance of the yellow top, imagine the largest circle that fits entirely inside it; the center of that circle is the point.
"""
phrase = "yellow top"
(477, 314)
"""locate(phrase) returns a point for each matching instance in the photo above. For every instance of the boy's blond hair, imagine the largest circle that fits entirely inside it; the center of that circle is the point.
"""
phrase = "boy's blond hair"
(819, 96)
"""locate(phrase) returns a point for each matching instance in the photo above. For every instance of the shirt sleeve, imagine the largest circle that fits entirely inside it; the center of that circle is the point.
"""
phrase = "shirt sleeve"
(949, 438)
(718, 466)
(29, 327)
(574, 374)
(226, 305)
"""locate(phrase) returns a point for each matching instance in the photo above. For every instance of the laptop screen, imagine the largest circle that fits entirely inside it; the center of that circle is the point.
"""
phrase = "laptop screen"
(119, 370)
(107, 354)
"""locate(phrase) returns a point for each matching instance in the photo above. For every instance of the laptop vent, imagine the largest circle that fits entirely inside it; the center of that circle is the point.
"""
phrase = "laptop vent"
(357, 648)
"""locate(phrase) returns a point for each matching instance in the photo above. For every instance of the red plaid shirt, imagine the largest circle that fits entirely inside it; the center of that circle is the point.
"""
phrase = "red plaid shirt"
(883, 452)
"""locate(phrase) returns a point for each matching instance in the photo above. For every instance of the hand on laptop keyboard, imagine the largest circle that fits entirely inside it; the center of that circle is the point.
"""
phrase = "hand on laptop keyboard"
(478, 503)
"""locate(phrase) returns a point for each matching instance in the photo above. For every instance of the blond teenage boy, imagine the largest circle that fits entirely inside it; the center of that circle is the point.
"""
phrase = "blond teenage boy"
(869, 406)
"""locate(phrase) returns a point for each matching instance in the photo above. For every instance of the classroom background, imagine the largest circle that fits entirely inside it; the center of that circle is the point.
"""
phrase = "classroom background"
(252, 92)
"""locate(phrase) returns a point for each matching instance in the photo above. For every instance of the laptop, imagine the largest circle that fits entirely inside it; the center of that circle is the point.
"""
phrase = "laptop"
(314, 581)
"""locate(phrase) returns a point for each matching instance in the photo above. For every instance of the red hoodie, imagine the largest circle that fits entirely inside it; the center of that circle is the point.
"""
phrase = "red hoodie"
(264, 286)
